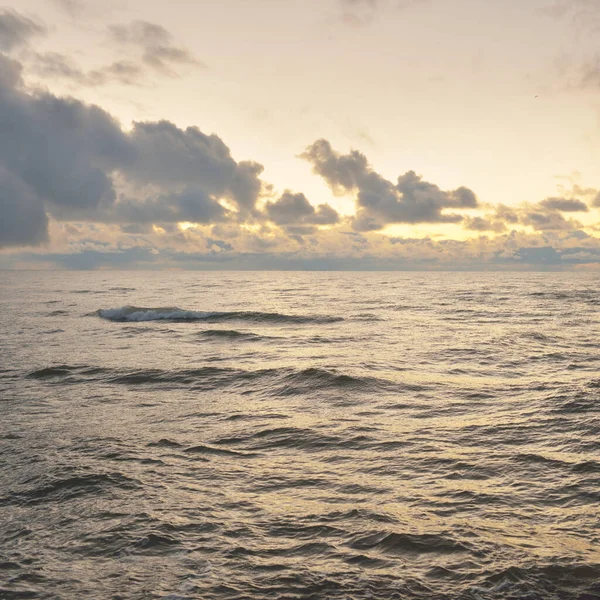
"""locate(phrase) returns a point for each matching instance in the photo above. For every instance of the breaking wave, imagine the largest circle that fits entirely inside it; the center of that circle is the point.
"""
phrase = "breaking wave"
(127, 314)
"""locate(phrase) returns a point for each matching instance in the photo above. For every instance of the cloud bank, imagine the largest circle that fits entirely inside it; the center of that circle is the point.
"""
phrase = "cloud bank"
(63, 159)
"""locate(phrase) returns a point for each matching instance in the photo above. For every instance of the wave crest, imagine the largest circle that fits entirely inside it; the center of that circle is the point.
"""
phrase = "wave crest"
(137, 314)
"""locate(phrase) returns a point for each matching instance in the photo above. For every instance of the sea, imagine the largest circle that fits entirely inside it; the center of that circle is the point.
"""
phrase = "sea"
(299, 435)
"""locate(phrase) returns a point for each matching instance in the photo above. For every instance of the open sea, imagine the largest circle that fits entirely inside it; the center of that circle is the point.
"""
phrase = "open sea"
(344, 436)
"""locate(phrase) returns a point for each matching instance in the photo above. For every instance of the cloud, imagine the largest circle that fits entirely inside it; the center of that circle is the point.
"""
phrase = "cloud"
(57, 66)
(73, 7)
(379, 201)
(158, 50)
(70, 160)
(507, 214)
(159, 56)
(10, 73)
(193, 205)
(589, 74)
(60, 149)
(166, 155)
(484, 224)
(223, 246)
(295, 211)
(544, 216)
(564, 204)
(369, 3)
(515, 250)
(584, 14)
(122, 71)
(72, 179)
(23, 220)
(543, 220)
(581, 73)
(52, 65)
(16, 30)
(159, 53)
(357, 13)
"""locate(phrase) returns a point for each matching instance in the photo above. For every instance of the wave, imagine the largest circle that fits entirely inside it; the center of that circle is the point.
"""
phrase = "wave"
(71, 487)
(204, 449)
(136, 314)
(550, 580)
(62, 371)
(48, 372)
(229, 334)
(282, 381)
(307, 380)
(398, 543)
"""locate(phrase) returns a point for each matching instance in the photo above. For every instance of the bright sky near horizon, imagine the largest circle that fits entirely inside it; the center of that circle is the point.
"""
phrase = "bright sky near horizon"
(392, 133)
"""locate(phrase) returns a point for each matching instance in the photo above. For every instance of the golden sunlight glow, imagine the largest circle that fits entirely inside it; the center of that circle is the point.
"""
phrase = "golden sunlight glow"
(251, 227)
(185, 225)
(227, 205)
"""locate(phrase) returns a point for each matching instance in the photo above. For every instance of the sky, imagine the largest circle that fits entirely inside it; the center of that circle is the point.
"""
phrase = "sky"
(300, 134)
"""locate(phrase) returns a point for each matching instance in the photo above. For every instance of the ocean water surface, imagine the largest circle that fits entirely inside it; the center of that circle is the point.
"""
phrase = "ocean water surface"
(299, 435)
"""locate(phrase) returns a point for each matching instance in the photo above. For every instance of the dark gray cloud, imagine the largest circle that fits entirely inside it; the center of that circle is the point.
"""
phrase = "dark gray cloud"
(23, 220)
(295, 211)
(166, 156)
(10, 73)
(16, 30)
(564, 204)
(61, 157)
(158, 48)
(246, 186)
(59, 150)
(192, 205)
(381, 202)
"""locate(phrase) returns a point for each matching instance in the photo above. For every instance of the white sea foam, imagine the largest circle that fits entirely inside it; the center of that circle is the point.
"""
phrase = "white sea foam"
(134, 313)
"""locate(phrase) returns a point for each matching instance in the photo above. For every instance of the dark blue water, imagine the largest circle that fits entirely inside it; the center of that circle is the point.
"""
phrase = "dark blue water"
(299, 435)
